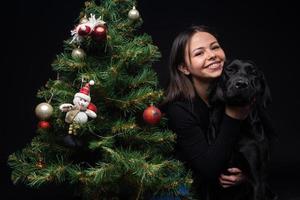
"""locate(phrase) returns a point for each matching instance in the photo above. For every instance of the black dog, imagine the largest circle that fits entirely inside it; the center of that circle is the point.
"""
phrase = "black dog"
(243, 83)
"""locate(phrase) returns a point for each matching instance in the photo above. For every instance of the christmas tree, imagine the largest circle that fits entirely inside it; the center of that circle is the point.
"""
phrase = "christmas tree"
(100, 130)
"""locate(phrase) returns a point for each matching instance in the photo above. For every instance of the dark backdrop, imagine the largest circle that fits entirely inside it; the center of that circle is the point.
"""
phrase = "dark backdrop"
(265, 32)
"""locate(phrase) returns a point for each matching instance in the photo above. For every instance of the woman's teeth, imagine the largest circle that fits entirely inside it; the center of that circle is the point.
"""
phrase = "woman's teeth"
(214, 66)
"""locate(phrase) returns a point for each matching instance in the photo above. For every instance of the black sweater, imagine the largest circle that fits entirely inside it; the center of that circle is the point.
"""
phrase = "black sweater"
(190, 121)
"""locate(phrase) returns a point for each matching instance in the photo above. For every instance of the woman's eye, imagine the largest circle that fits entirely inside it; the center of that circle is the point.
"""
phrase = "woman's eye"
(198, 53)
(216, 47)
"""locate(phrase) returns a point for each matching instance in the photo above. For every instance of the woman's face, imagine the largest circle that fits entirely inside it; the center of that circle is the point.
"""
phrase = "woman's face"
(204, 58)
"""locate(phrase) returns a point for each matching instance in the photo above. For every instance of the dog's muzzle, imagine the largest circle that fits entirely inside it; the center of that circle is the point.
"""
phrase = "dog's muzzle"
(241, 84)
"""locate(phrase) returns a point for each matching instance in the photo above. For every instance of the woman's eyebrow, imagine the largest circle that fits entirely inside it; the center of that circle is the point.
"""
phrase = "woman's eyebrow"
(214, 42)
(198, 49)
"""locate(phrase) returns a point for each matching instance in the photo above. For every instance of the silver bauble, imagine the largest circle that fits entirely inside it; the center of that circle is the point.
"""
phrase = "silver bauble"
(133, 14)
(78, 53)
(43, 111)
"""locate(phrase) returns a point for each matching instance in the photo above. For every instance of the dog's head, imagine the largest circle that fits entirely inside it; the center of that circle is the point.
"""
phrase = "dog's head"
(241, 83)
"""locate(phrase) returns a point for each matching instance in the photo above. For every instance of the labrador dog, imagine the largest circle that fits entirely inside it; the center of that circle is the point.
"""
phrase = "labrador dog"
(243, 83)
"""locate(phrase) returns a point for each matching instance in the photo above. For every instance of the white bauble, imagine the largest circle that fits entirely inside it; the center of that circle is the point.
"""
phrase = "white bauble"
(133, 14)
(43, 111)
(81, 118)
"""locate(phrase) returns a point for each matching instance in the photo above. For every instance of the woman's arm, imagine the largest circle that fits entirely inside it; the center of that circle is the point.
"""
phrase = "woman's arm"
(206, 160)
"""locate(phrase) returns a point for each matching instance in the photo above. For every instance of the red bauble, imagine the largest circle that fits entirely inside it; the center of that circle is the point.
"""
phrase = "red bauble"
(83, 29)
(92, 107)
(44, 125)
(99, 32)
(152, 115)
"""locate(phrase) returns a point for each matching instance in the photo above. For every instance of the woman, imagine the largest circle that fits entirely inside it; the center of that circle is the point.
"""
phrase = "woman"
(196, 60)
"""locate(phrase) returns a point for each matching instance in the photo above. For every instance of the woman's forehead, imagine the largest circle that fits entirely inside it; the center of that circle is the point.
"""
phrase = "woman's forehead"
(201, 39)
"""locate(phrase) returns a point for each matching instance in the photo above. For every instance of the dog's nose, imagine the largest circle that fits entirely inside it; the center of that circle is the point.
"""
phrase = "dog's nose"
(241, 84)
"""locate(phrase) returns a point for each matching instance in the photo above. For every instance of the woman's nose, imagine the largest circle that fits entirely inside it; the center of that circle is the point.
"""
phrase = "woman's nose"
(211, 54)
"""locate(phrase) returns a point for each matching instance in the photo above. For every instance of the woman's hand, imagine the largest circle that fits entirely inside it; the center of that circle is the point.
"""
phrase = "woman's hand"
(234, 177)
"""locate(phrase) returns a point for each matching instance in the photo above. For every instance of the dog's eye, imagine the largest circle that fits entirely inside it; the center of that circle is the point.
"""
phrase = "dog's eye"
(251, 70)
(231, 69)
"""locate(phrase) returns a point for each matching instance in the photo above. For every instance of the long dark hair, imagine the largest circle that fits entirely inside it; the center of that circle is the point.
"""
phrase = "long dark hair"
(180, 86)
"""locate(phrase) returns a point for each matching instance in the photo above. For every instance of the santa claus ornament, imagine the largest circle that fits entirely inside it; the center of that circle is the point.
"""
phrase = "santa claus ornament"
(79, 112)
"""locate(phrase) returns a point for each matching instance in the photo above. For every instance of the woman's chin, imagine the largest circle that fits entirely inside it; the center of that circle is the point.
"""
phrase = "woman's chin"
(214, 75)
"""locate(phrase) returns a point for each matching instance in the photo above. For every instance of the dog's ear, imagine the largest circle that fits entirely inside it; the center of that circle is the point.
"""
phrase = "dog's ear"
(216, 93)
(265, 96)
(219, 94)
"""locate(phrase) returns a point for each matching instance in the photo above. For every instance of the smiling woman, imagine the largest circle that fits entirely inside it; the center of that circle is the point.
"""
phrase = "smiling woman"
(196, 61)
(204, 59)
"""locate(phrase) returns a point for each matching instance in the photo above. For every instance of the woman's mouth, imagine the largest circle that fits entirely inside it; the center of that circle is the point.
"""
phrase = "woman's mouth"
(214, 66)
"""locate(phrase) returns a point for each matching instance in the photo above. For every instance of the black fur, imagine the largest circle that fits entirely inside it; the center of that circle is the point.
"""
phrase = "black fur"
(243, 83)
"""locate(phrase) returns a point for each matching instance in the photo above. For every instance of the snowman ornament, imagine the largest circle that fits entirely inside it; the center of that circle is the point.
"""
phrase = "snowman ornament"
(81, 109)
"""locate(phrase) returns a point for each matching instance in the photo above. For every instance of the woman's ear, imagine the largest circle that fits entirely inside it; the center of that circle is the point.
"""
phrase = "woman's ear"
(184, 69)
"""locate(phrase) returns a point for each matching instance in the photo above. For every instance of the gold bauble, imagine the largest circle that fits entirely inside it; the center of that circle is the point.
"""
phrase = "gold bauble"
(78, 53)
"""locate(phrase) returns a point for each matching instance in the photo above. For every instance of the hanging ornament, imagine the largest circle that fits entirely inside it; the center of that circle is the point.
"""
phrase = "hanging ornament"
(87, 27)
(43, 111)
(78, 53)
(133, 14)
(100, 32)
(95, 22)
(40, 163)
(44, 124)
(83, 29)
(78, 113)
(152, 115)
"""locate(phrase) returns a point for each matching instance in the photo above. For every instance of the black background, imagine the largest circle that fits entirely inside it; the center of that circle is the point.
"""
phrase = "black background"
(265, 32)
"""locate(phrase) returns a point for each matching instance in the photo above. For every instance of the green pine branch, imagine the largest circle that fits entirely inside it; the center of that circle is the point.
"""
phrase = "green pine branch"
(119, 148)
